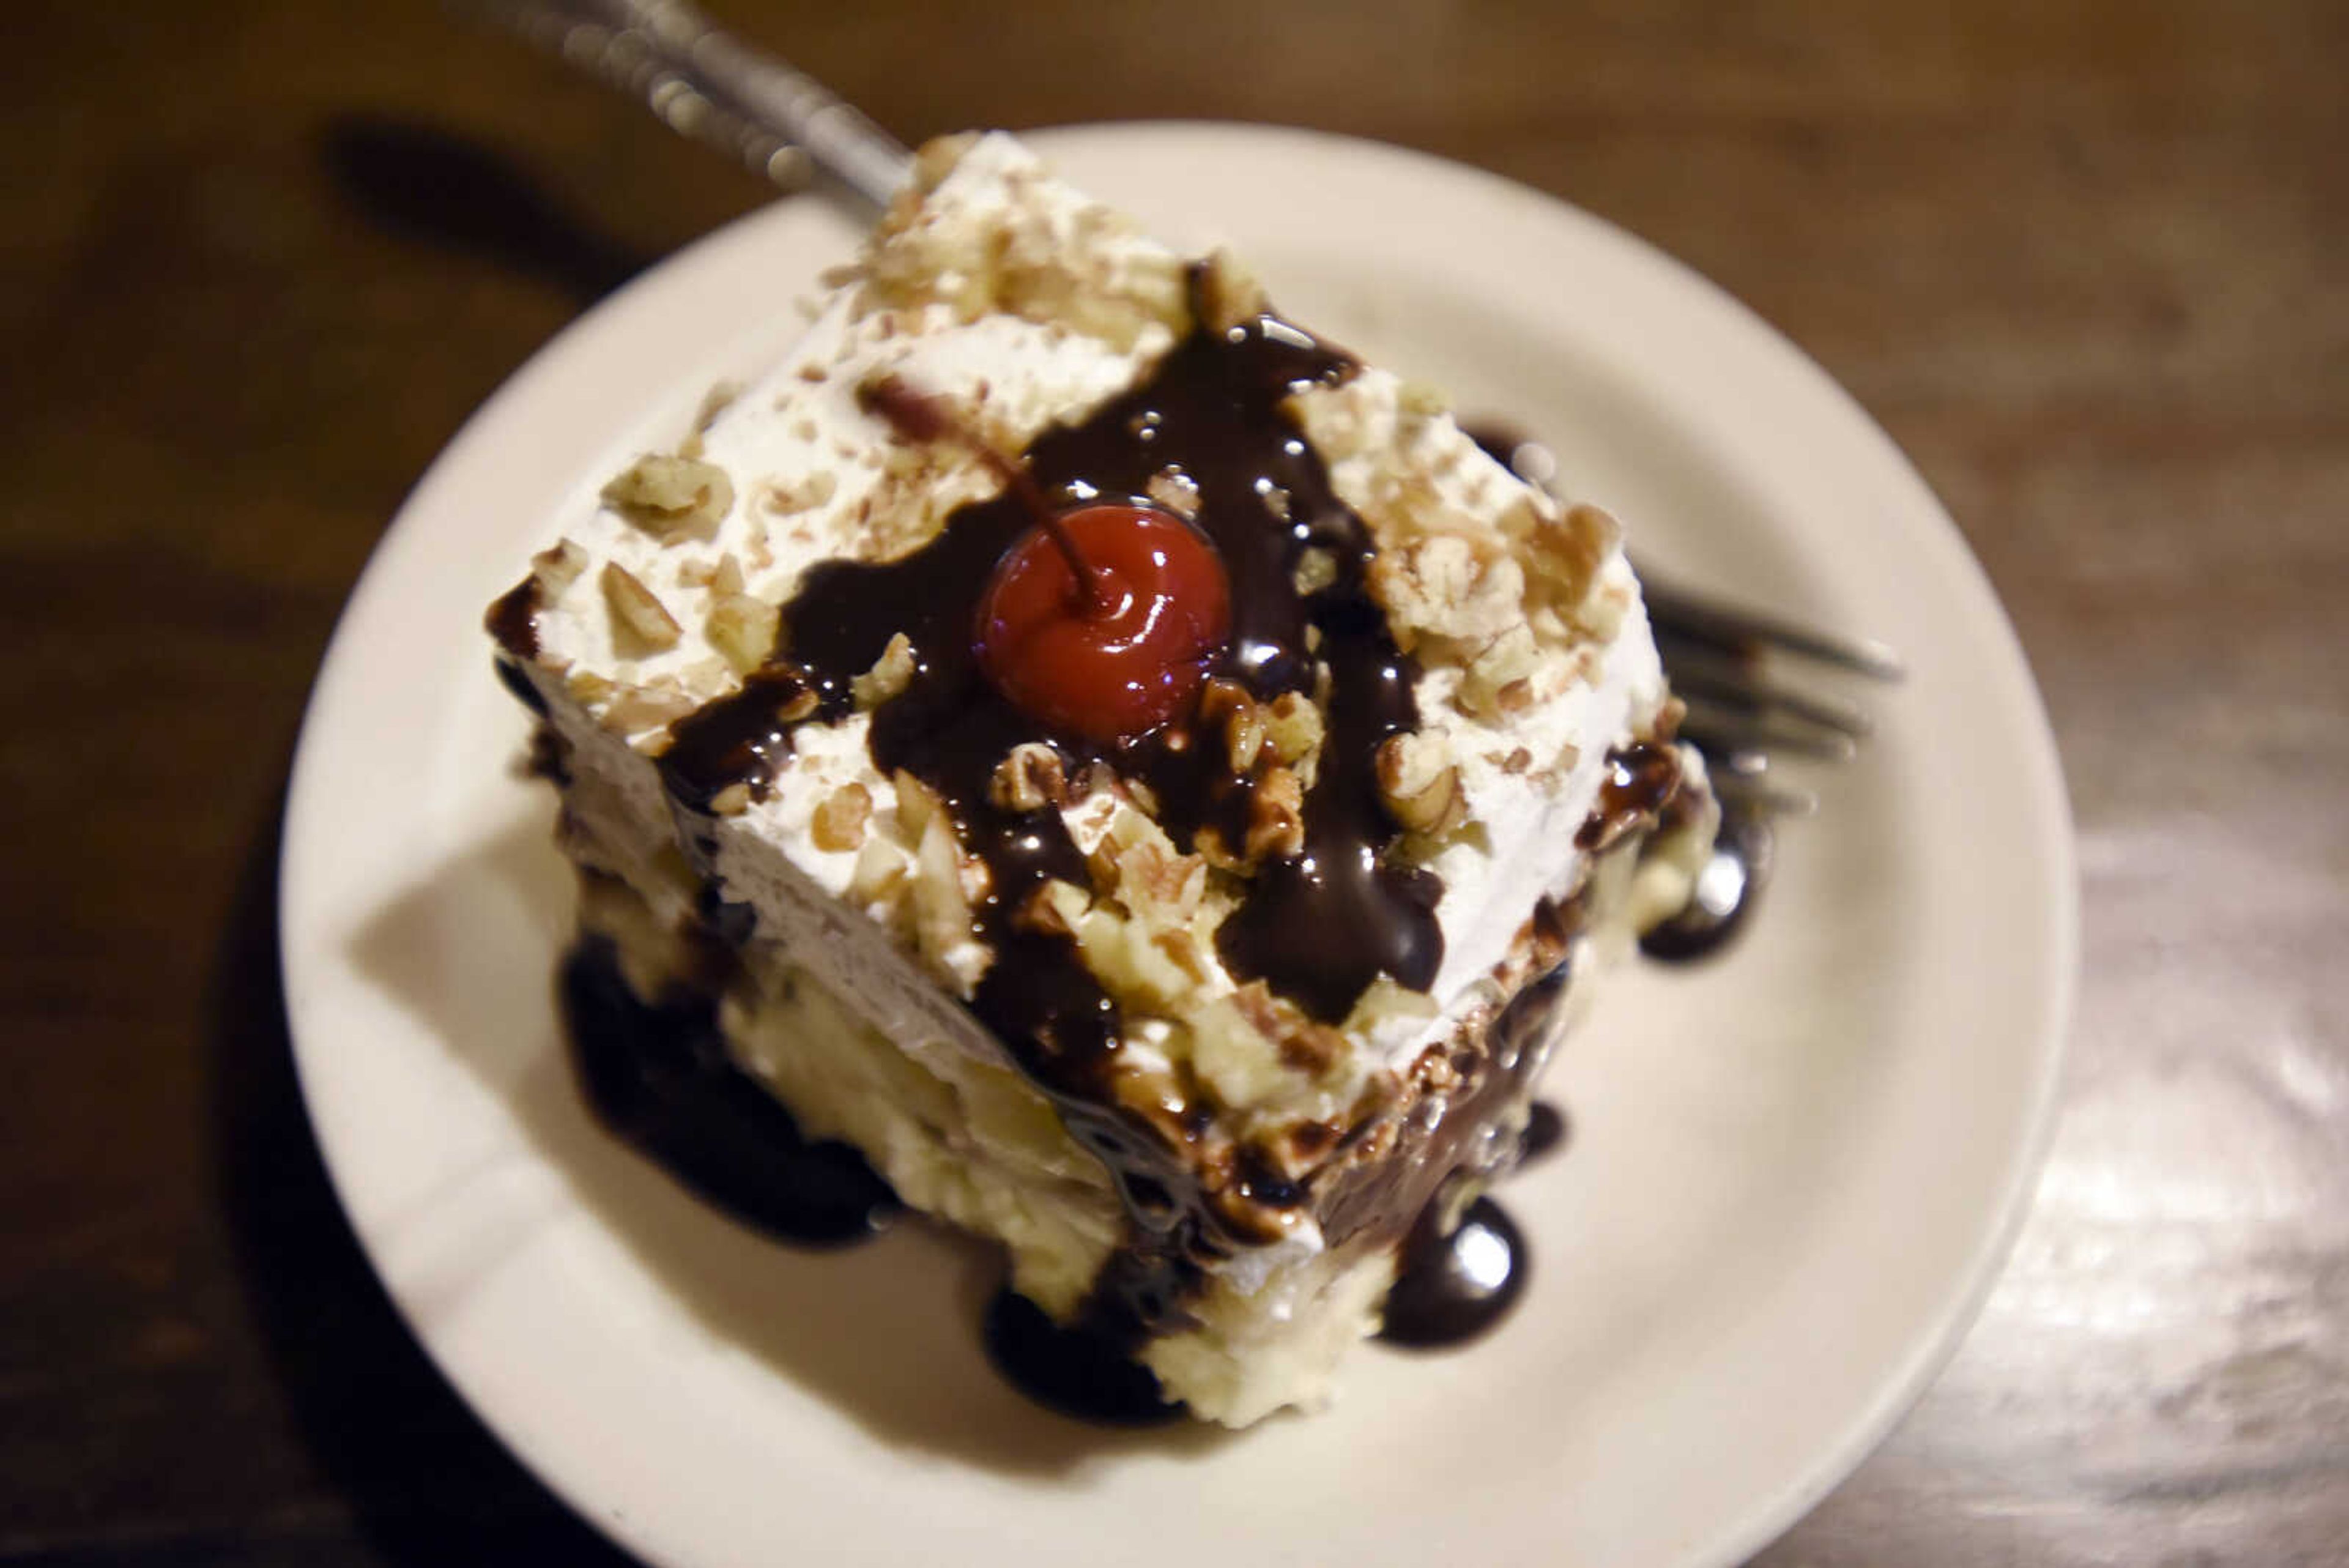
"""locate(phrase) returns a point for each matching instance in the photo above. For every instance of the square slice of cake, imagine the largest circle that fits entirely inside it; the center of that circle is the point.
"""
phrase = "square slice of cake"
(1141, 778)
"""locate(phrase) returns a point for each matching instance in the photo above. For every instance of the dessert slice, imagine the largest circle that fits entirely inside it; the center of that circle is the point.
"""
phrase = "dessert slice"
(1140, 776)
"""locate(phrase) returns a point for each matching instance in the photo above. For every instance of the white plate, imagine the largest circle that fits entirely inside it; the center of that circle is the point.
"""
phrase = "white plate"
(1792, 1172)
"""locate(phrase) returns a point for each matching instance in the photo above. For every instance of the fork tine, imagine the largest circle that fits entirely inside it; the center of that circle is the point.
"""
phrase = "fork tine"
(1723, 727)
(1743, 632)
(1742, 790)
(1699, 670)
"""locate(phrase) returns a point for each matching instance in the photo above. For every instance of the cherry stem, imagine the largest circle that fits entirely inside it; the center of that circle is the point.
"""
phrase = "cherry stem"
(918, 416)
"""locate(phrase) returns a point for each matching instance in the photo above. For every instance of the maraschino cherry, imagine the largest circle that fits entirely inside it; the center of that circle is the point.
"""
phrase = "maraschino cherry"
(1102, 621)
(1120, 656)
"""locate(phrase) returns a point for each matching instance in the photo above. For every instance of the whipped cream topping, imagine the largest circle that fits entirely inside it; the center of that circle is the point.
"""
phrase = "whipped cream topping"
(1031, 309)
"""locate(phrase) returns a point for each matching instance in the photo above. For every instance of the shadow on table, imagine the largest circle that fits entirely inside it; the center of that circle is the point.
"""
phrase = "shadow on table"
(426, 1483)
(421, 183)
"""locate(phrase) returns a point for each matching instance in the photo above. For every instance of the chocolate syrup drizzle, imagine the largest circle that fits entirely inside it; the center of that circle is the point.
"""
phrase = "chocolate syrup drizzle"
(513, 620)
(1318, 927)
(1640, 777)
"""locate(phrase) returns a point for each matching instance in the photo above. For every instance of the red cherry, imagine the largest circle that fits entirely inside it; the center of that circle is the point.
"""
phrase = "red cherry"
(1120, 662)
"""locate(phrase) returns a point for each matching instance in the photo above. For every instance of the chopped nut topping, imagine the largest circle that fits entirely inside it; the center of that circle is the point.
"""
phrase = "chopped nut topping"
(1208, 843)
(1420, 400)
(762, 553)
(1232, 1057)
(839, 822)
(672, 497)
(936, 158)
(1292, 728)
(1304, 1045)
(641, 624)
(743, 629)
(1222, 695)
(556, 568)
(918, 803)
(1030, 777)
(1229, 294)
(1669, 715)
(786, 500)
(1251, 1049)
(801, 704)
(1452, 585)
(732, 801)
(705, 678)
(1160, 886)
(942, 922)
(890, 675)
(1074, 270)
(634, 708)
(1244, 736)
(1502, 664)
(1127, 958)
(1176, 490)
(715, 403)
(1601, 614)
(1243, 718)
(1055, 908)
(590, 688)
(1569, 550)
(1276, 817)
(880, 872)
(725, 577)
(1316, 569)
(1419, 783)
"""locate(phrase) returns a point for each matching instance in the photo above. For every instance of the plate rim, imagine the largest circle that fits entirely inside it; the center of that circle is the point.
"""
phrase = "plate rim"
(1929, 1344)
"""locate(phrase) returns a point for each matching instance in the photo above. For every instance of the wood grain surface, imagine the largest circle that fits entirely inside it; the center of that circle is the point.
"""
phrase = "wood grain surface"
(2086, 263)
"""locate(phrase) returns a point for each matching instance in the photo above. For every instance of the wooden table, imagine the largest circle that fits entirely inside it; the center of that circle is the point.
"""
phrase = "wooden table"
(2087, 263)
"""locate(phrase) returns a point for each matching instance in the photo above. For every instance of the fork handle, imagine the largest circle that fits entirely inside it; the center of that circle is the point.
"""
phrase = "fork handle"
(705, 83)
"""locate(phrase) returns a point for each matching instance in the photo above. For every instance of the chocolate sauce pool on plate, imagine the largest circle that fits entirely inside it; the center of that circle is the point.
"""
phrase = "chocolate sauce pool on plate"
(1727, 888)
(658, 1076)
(1544, 1134)
(1456, 1284)
(1072, 1370)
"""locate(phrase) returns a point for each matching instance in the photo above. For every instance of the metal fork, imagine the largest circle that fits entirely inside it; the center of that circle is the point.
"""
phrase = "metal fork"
(1742, 717)
(1720, 660)
(779, 122)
